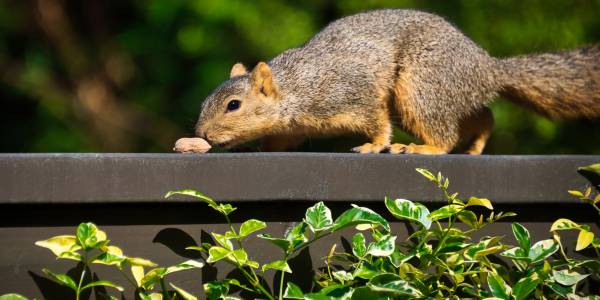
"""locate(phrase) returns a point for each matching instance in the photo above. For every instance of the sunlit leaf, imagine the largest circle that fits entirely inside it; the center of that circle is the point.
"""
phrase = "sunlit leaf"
(284, 244)
(186, 265)
(217, 253)
(542, 249)
(563, 224)
(525, 286)
(445, 212)
(359, 215)
(392, 283)
(138, 274)
(103, 283)
(185, 295)
(498, 286)
(62, 279)
(426, 173)
(251, 226)
(332, 292)
(584, 239)
(293, 291)
(318, 217)
(277, 265)
(60, 244)
(474, 201)
(566, 277)
(12, 297)
(383, 247)
(408, 210)
(359, 247)
(522, 235)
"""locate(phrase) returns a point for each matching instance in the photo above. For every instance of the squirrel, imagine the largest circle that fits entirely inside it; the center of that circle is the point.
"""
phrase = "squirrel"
(364, 72)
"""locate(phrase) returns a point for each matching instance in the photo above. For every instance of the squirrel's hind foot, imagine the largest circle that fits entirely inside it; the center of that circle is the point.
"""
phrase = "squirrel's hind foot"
(370, 148)
(416, 149)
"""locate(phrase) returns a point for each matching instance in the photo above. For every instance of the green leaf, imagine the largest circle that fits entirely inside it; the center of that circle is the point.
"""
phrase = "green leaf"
(566, 277)
(392, 283)
(239, 255)
(525, 286)
(103, 283)
(152, 277)
(342, 276)
(584, 239)
(561, 290)
(408, 210)
(468, 217)
(62, 279)
(498, 287)
(366, 271)
(186, 265)
(576, 193)
(522, 235)
(426, 173)
(542, 249)
(595, 168)
(224, 209)
(280, 265)
(185, 295)
(217, 253)
(223, 240)
(318, 217)
(359, 247)
(384, 247)
(108, 259)
(564, 224)
(296, 235)
(60, 244)
(365, 293)
(332, 292)
(474, 201)
(212, 203)
(293, 291)
(142, 262)
(445, 212)
(86, 235)
(284, 244)
(12, 297)
(216, 289)
(359, 215)
(251, 226)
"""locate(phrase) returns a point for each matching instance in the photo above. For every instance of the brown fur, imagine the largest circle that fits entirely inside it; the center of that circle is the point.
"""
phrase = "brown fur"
(364, 72)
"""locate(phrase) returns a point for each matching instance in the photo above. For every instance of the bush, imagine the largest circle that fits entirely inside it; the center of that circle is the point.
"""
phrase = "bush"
(439, 259)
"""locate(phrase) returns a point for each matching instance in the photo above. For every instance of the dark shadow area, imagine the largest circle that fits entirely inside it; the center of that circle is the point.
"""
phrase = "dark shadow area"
(303, 275)
(32, 215)
(177, 240)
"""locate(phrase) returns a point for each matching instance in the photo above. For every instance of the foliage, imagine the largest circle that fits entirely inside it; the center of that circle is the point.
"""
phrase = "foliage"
(130, 76)
(440, 259)
(90, 246)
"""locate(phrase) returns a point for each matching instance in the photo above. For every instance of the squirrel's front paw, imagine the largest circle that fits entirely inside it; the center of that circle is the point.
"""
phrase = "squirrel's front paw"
(369, 148)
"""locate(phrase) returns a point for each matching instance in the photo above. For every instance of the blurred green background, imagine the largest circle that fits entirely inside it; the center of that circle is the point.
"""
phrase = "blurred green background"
(130, 76)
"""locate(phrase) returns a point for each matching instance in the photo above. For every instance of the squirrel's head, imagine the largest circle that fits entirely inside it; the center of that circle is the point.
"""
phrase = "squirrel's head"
(243, 108)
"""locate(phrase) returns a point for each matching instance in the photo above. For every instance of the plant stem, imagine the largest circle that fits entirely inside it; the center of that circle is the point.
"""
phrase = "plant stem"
(78, 291)
(281, 285)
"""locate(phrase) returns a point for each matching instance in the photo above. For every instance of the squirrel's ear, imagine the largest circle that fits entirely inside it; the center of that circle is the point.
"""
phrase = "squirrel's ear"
(262, 80)
(238, 70)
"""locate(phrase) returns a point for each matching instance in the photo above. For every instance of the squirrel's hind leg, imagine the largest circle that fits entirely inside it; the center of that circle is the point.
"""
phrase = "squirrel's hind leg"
(417, 149)
(477, 130)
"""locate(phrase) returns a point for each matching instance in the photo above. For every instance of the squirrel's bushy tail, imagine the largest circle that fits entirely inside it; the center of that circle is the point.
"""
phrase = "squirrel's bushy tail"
(557, 85)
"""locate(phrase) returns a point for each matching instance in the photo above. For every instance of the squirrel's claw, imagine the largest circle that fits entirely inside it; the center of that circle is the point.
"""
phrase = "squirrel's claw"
(398, 148)
(369, 148)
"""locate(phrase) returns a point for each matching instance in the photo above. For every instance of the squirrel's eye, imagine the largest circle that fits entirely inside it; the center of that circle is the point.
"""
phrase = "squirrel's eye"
(233, 105)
